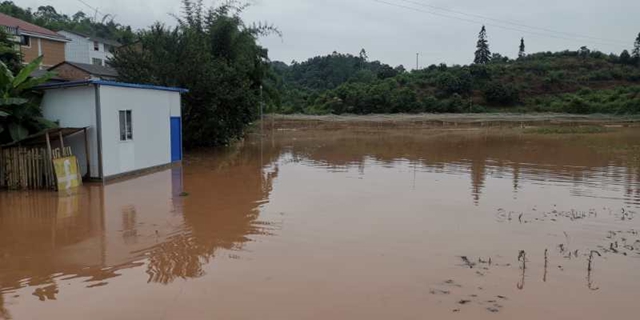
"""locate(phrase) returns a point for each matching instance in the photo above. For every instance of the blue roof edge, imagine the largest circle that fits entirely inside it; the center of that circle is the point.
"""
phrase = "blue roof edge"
(108, 83)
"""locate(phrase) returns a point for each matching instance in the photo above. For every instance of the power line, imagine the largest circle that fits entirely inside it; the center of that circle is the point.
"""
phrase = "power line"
(514, 23)
(92, 8)
(489, 24)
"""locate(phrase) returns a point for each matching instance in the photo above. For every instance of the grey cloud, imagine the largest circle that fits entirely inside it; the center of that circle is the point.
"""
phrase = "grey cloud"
(394, 35)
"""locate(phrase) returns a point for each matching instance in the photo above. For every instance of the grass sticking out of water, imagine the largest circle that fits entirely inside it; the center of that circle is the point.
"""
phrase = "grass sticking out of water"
(567, 130)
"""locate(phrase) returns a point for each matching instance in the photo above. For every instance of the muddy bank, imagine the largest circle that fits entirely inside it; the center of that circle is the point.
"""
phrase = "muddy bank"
(446, 120)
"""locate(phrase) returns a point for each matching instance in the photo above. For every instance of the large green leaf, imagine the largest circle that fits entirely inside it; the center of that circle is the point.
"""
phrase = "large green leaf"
(17, 131)
(12, 101)
(1, 129)
(26, 85)
(4, 114)
(6, 78)
(26, 71)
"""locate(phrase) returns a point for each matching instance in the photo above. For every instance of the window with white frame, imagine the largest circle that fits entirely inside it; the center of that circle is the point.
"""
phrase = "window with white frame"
(126, 129)
(96, 61)
(96, 46)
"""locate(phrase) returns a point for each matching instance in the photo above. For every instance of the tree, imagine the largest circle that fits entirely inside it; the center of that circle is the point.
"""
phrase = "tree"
(584, 52)
(521, 52)
(11, 57)
(48, 17)
(625, 57)
(636, 51)
(483, 54)
(386, 71)
(215, 55)
(498, 58)
(363, 55)
(79, 16)
(20, 113)
(636, 47)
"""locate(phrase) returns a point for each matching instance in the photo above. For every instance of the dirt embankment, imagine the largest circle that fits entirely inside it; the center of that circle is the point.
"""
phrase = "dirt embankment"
(299, 121)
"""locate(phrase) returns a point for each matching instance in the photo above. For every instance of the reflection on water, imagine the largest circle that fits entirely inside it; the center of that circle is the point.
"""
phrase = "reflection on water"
(384, 215)
(95, 232)
(537, 159)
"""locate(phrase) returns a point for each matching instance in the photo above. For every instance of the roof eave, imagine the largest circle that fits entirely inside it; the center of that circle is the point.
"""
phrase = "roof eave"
(43, 36)
(80, 83)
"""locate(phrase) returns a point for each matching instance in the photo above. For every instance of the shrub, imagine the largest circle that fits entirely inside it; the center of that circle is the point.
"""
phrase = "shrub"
(501, 94)
(405, 101)
(449, 83)
(578, 105)
(600, 75)
(456, 104)
(478, 109)
(630, 107)
(430, 104)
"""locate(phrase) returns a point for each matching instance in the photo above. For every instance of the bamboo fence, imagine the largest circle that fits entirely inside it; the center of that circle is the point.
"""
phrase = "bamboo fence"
(29, 168)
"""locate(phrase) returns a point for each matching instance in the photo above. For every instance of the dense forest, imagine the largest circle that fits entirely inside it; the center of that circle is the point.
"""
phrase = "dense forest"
(48, 17)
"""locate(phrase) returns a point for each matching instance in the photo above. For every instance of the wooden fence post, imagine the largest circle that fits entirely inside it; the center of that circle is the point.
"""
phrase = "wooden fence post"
(2, 177)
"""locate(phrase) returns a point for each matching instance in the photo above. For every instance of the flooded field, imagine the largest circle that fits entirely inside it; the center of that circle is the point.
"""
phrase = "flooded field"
(342, 224)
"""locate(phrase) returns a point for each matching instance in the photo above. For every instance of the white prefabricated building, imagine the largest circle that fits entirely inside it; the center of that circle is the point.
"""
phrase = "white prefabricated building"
(131, 127)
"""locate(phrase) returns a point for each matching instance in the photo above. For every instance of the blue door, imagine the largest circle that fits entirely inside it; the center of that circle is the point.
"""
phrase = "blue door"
(176, 139)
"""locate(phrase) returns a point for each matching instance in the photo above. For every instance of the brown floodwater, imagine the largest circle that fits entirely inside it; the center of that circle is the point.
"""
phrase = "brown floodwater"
(341, 224)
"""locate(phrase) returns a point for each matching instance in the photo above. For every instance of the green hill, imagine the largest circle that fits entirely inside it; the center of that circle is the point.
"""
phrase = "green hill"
(570, 81)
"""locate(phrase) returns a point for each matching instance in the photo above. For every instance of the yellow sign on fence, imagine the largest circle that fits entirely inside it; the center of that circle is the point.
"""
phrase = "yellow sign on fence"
(67, 173)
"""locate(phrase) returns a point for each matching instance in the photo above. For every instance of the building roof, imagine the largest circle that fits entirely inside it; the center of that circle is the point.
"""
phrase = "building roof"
(69, 84)
(39, 73)
(29, 28)
(90, 69)
(92, 38)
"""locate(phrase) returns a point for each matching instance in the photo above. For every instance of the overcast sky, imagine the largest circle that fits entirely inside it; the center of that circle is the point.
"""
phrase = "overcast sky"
(394, 31)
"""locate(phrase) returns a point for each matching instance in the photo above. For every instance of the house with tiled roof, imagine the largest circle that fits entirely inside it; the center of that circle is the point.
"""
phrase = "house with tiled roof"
(35, 40)
(71, 71)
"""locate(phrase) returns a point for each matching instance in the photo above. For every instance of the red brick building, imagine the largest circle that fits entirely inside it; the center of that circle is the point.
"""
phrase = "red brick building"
(35, 41)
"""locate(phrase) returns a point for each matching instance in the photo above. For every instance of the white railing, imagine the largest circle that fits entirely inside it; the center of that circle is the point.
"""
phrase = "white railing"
(14, 31)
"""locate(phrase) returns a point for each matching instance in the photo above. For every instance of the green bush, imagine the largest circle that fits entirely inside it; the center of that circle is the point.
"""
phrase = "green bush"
(630, 107)
(579, 106)
(501, 94)
(430, 104)
(450, 83)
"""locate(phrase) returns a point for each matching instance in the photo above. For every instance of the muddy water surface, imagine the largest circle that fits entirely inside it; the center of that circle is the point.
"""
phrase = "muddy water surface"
(341, 225)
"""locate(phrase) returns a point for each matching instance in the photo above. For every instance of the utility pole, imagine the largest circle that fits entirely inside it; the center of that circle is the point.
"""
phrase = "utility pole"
(261, 112)
(417, 61)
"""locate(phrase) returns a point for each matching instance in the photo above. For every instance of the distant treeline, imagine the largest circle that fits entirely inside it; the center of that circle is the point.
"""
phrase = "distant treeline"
(300, 82)
(581, 81)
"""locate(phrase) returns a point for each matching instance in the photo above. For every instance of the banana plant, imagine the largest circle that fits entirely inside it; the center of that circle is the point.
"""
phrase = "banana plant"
(20, 113)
